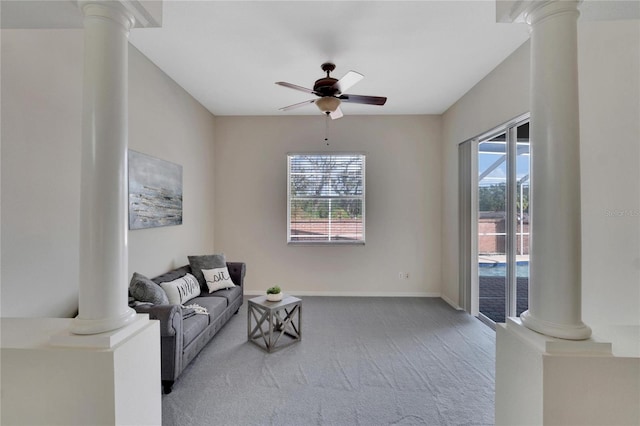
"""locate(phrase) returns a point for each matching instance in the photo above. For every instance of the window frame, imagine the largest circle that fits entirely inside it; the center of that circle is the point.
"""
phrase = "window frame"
(329, 241)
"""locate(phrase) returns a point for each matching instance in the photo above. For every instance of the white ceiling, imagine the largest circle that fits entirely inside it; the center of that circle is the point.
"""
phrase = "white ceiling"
(423, 55)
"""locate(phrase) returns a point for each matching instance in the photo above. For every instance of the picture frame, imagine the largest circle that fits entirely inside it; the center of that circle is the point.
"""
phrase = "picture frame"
(155, 192)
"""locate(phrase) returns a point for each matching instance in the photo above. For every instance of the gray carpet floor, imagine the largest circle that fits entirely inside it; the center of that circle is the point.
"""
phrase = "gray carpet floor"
(361, 361)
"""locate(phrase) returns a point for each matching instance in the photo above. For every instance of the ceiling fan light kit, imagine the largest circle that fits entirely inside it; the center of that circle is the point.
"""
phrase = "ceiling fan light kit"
(331, 92)
(328, 104)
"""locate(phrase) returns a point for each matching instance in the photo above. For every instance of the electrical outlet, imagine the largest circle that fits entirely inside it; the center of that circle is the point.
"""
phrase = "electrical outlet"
(406, 276)
(400, 275)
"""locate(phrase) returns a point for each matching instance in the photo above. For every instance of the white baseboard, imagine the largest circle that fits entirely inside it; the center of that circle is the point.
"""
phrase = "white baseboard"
(450, 302)
(351, 293)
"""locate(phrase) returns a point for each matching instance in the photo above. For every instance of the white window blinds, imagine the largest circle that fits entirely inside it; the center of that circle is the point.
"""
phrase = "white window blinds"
(326, 198)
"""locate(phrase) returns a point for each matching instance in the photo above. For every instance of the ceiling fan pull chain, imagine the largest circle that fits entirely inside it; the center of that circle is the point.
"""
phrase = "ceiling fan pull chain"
(326, 128)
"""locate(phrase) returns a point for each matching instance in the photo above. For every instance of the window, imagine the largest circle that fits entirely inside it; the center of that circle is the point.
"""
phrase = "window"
(326, 198)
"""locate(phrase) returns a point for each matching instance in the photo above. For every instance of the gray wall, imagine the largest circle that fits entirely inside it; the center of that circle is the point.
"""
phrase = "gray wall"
(412, 179)
(41, 123)
(403, 197)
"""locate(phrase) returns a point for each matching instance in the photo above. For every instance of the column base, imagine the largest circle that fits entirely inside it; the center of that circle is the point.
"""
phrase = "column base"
(542, 380)
(562, 331)
(47, 384)
(95, 326)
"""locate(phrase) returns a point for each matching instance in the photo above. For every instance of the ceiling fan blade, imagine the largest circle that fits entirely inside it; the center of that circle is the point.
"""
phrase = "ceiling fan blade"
(298, 105)
(346, 82)
(295, 87)
(360, 99)
(336, 114)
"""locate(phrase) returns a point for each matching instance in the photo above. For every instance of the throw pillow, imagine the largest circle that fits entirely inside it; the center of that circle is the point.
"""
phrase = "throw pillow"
(217, 279)
(181, 289)
(210, 261)
(145, 290)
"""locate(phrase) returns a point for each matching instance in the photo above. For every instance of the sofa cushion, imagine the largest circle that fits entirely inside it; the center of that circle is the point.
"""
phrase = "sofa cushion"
(181, 289)
(229, 294)
(192, 327)
(215, 305)
(145, 290)
(210, 261)
(217, 279)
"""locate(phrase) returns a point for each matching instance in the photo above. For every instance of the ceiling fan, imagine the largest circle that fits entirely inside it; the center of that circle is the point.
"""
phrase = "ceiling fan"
(331, 92)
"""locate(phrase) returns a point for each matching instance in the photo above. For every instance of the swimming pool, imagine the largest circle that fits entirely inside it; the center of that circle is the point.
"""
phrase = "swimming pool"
(500, 269)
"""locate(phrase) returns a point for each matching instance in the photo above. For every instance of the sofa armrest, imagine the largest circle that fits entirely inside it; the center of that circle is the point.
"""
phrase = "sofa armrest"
(170, 317)
(237, 271)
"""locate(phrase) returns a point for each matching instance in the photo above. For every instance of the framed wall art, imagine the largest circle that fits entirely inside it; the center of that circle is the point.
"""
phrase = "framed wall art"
(155, 192)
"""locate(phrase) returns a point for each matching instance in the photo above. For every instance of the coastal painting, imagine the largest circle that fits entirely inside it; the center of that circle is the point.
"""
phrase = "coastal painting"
(155, 192)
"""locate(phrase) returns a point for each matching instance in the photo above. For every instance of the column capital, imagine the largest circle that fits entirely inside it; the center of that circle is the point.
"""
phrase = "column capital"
(138, 13)
(544, 9)
(532, 11)
(111, 10)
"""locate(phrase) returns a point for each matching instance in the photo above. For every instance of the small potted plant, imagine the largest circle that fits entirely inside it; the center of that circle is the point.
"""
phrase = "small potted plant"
(274, 294)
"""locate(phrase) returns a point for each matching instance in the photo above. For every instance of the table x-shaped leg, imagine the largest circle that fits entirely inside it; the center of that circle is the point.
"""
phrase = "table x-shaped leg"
(287, 325)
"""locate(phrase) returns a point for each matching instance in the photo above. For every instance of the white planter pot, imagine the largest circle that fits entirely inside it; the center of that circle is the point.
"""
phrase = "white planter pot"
(274, 297)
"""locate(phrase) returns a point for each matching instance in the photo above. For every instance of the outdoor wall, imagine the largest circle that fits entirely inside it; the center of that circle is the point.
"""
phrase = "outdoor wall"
(610, 153)
(403, 196)
(41, 130)
(492, 231)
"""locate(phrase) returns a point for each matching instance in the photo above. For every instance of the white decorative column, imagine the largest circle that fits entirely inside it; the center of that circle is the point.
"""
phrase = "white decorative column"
(555, 304)
(103, 198)
(549, 369)
(83, 367)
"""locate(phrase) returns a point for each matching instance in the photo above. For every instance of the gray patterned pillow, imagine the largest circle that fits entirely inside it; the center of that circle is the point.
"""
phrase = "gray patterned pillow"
(145, 290)
(209, 261)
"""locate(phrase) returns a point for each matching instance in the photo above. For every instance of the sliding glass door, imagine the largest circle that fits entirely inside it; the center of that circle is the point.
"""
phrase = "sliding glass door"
(492, 226)
(502, 222)
(522, 230)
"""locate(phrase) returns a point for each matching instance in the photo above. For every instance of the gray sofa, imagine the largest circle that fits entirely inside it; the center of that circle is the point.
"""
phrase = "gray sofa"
(182, 332)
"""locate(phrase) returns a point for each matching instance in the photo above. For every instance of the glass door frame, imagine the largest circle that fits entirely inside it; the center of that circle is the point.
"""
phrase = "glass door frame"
(468, 229)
